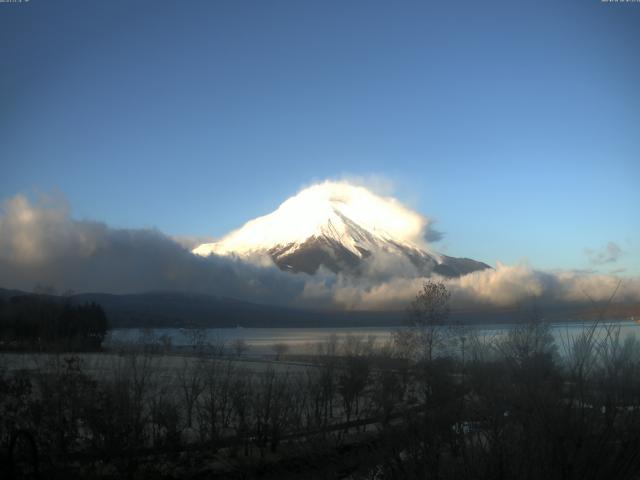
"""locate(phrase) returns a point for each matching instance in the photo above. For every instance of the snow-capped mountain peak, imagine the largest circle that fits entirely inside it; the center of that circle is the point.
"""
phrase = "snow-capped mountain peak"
(351, 215)
(332, 224)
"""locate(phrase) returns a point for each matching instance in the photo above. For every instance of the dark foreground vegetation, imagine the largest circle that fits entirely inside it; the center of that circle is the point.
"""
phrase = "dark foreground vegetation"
(433, 403)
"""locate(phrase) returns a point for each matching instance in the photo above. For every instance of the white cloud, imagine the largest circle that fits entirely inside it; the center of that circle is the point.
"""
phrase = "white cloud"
(503, 286)
(40, 243)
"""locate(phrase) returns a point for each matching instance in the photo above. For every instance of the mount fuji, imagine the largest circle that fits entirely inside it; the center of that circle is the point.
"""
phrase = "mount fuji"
(343, 228)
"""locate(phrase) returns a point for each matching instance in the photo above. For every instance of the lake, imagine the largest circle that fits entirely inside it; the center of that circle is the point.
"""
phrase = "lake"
(303, 340)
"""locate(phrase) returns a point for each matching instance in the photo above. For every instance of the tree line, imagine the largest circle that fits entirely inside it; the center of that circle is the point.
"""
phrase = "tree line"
(44, 322)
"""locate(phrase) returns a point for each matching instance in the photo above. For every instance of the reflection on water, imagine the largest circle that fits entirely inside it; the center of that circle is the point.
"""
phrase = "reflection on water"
(302, 340)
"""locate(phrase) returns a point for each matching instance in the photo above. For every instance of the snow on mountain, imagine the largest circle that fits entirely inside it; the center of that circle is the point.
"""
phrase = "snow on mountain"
(337, 225)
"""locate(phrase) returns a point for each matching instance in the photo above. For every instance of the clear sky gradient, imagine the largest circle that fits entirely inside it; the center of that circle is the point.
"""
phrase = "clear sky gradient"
(516, 125)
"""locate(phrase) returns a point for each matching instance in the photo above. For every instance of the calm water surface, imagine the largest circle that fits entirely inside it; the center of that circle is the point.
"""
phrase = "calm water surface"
(300, 340)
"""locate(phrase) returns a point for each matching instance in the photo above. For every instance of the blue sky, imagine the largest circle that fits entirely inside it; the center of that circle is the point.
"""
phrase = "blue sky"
(515, 125)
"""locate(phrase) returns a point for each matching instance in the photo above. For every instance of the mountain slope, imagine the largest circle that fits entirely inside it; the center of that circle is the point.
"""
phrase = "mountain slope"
(342, 228)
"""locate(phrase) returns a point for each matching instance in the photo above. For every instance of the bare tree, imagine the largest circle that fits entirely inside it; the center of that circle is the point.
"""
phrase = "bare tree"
(271, 408)
(358, 345)
(190, 378)
(406, 343)
(196, 338)
(239, 346)
(215, 407)
(527, 342)
(166, 341)
(217, 346)
(280, 350)
(352, 383)
(242, 406)
(428, 313)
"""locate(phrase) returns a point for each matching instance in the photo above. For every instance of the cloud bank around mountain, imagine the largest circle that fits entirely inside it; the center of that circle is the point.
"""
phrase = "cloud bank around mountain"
(504, 286)
(40, 243)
